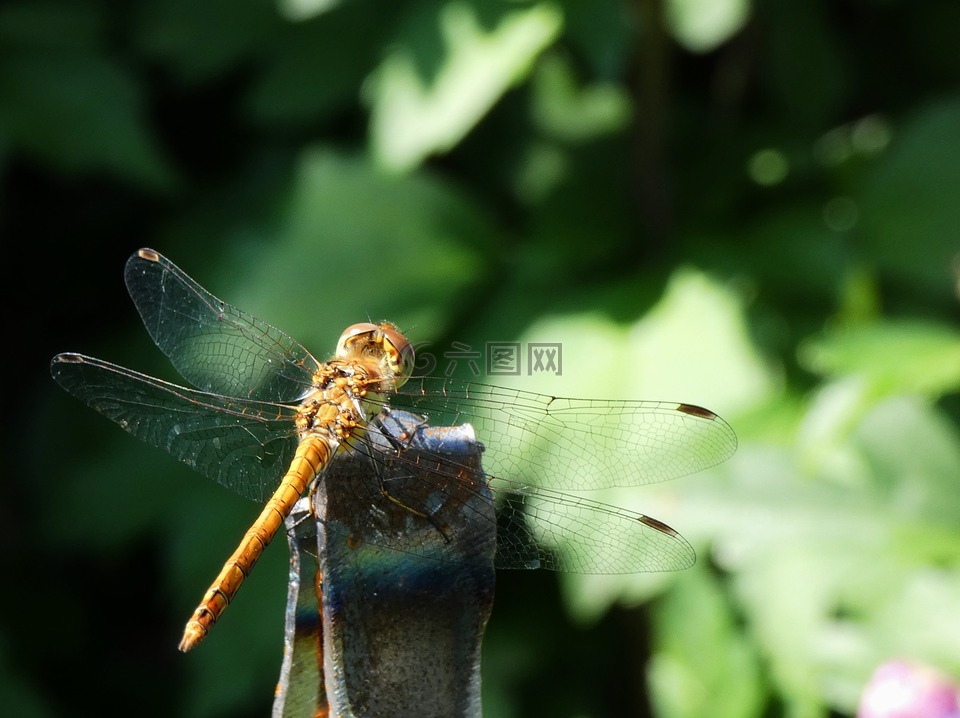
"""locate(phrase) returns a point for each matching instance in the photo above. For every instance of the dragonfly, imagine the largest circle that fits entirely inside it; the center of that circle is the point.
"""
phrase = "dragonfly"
(267, 420)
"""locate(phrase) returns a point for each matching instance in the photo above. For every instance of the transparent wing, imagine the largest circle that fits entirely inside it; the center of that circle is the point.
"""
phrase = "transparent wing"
(534, 446)
(430, 498)
(562, 532)
(539, 441)
(215, 346)
(244, 445)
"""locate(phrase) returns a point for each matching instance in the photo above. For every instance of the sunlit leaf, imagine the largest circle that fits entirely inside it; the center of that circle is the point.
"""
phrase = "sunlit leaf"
(358, 245)
(822, 558)
(901, 356)
(300, 10)
(690, 347)
(702, 25)
(703, 663)
(418, 110)
(568, 112)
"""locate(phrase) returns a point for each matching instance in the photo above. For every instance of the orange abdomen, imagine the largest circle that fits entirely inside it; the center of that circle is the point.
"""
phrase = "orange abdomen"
(312, 455)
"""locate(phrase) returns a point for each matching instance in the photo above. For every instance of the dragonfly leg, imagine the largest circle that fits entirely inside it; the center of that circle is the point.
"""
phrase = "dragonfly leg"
(399, 443)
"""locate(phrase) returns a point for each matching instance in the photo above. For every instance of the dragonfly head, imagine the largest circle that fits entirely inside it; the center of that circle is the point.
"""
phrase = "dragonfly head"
(382, 343)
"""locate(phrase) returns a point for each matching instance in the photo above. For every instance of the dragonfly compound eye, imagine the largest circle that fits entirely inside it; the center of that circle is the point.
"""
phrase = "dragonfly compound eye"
(399, 353)
(353, 336)
(383, 342)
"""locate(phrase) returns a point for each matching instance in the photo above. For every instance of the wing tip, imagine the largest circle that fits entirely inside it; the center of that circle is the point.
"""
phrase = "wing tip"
(701, 413)
(697, 411)
(65, 358)
(71, 357)
(657, 524)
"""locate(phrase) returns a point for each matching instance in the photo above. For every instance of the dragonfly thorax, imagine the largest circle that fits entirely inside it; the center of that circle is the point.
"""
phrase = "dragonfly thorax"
(345, 394)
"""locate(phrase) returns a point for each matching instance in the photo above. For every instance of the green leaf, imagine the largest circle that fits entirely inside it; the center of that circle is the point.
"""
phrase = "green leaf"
(315, 68)
(909, 210)
(576, 114)
(199, 41)
(422, 105)
(79, 112)
(805, 63)
(893, 356)
(693, 347)
(364, 246)
(703, 663)
(703, 25)
(823, 553)
(52, 25)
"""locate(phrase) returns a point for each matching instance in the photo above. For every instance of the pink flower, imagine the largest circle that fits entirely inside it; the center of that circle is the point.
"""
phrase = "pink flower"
(902, 689)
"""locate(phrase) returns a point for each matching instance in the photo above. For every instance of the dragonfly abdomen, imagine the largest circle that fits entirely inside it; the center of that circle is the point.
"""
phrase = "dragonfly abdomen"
(328, 416)
(313, 454)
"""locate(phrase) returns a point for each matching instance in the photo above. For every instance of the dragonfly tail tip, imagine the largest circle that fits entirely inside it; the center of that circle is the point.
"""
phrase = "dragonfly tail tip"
(192, 635)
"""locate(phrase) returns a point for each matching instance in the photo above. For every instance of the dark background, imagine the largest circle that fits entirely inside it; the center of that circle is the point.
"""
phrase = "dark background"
(759, 198)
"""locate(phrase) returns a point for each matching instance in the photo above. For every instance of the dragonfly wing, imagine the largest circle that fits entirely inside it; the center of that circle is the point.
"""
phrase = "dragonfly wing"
(434, 496)
(575, 444)
(244, 445)
(215, 346)
(538, 528)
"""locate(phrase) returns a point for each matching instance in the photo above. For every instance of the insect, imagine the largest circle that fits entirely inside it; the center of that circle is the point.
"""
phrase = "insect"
(268, 420)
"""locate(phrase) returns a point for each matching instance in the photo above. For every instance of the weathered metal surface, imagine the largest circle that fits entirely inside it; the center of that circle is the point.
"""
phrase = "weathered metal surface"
(407, 582)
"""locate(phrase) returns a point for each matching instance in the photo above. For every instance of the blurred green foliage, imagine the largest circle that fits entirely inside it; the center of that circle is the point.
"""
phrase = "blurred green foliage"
(749, 206)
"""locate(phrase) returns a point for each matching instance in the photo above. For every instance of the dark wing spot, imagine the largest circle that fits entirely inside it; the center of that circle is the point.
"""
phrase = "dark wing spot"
(696, 411)
(658, 525)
